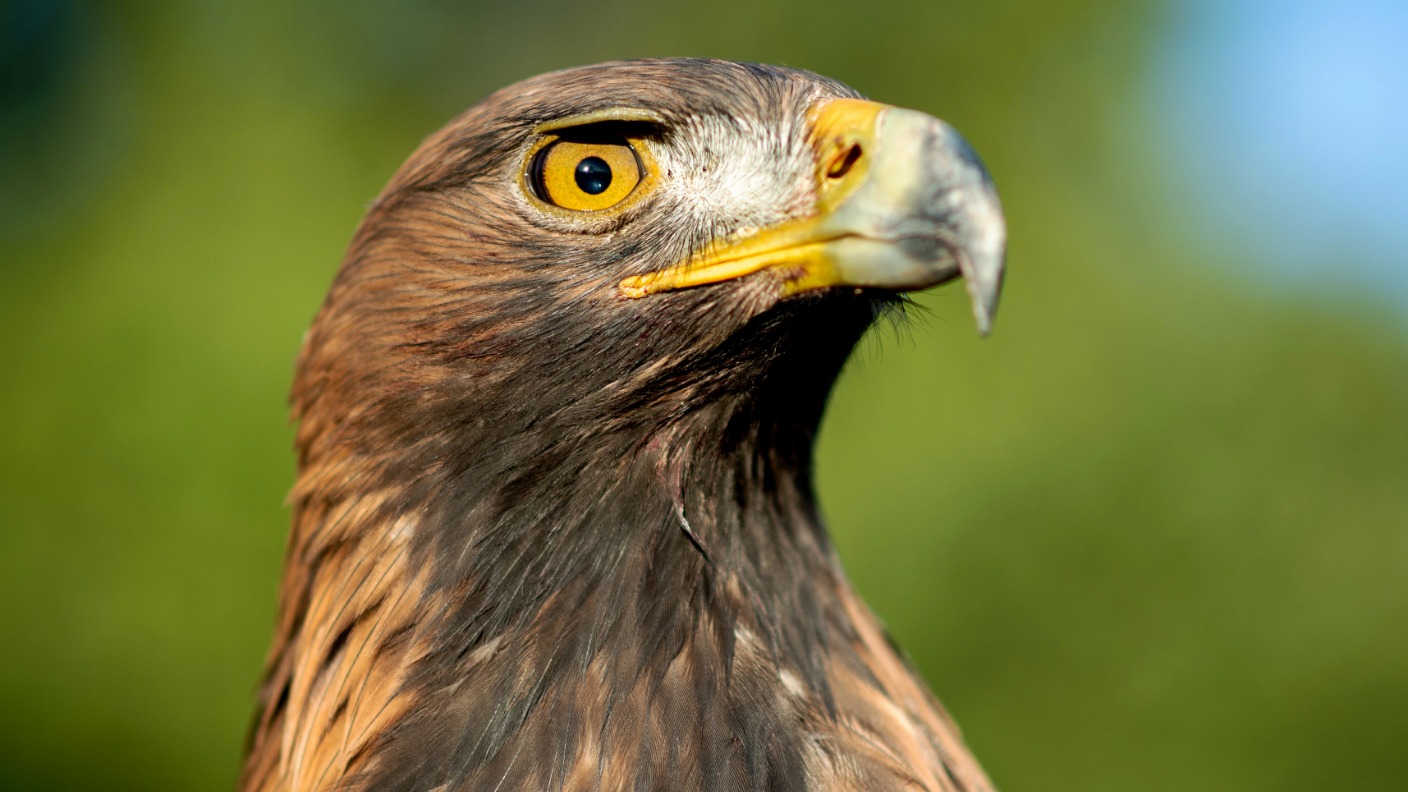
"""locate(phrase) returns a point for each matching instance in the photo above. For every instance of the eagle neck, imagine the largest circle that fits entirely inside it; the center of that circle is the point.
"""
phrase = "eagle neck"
(699, 517)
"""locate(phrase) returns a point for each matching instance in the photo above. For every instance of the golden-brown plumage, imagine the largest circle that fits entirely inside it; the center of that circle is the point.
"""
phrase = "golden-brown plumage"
(550, 537)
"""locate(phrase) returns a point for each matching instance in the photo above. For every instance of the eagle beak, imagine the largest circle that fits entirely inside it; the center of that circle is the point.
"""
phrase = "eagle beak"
(902, 203)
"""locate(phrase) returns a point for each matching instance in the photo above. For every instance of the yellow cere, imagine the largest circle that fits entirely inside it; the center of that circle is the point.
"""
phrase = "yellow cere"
(842, 136)
(586, 176)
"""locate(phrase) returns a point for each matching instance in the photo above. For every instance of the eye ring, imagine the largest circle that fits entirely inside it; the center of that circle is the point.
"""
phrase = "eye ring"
(563, 171)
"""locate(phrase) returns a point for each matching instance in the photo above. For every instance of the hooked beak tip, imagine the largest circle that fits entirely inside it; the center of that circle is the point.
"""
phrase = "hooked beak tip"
(983, 281)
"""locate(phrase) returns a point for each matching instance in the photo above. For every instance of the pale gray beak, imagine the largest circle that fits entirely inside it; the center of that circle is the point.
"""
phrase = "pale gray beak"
(926, 213)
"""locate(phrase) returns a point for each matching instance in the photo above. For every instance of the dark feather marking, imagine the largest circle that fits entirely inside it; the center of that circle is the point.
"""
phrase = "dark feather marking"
(336, 717)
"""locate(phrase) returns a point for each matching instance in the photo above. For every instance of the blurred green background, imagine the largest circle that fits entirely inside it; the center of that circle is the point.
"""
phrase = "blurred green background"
(1152, 535)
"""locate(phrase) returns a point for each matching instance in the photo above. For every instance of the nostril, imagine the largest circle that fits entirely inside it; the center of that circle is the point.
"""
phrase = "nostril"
(844, 160)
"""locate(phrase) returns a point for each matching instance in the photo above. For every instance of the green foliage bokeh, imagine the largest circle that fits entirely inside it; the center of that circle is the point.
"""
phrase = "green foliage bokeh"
(1151, 535)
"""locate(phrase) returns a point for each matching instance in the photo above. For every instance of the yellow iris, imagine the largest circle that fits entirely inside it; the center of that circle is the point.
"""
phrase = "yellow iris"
(586, 176)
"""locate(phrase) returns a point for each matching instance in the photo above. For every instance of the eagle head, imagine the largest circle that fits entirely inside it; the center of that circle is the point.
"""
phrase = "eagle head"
(553, 525)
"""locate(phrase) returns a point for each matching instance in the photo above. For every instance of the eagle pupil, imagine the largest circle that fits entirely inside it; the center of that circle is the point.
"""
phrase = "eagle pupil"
(593, 175)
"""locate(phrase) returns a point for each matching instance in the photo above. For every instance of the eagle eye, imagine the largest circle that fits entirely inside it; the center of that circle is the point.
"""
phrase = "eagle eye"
(585, 175)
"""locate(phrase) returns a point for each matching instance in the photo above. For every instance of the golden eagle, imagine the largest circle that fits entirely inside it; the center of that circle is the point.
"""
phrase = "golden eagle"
(554, 525)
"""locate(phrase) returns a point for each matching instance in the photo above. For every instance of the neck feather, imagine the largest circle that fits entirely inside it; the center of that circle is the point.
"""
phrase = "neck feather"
(647, 554)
